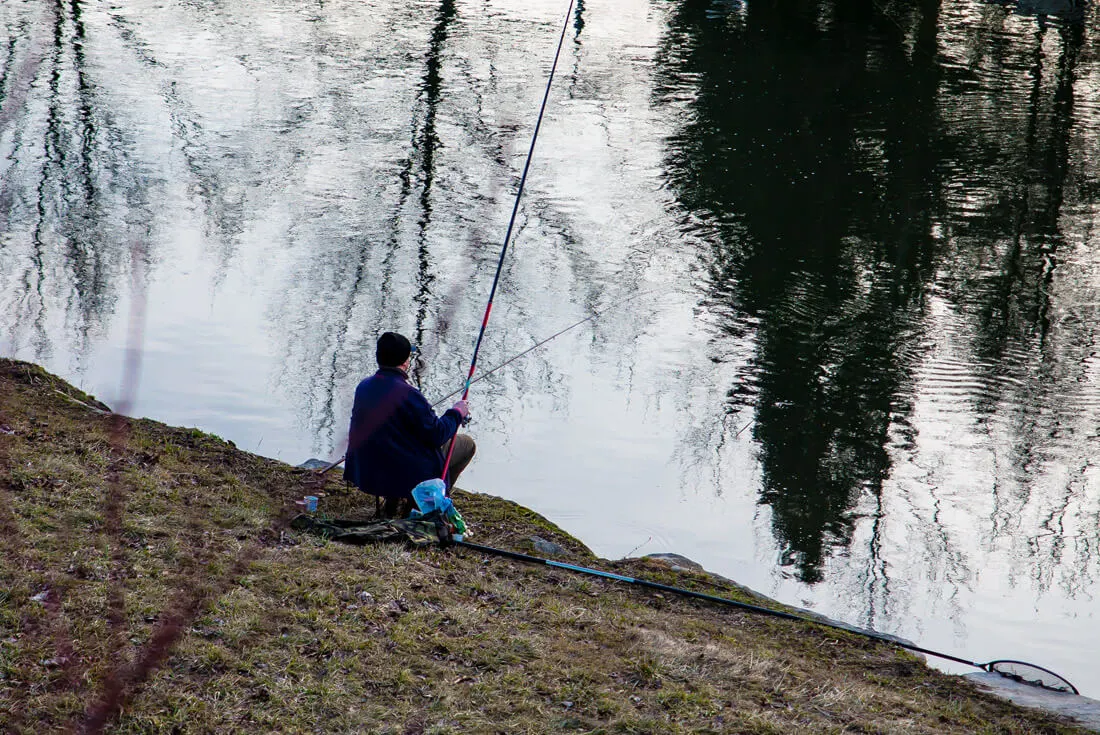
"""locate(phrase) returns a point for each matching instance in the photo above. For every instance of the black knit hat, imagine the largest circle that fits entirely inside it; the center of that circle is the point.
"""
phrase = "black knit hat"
(393, 349)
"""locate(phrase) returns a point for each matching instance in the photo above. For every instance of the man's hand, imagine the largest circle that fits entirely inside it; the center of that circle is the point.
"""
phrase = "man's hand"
(463, 410)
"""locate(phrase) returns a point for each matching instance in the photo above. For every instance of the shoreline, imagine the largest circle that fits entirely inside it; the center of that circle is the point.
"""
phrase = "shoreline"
(150, 580)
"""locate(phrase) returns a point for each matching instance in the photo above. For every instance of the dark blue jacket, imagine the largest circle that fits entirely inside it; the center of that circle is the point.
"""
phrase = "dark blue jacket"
(395, 437)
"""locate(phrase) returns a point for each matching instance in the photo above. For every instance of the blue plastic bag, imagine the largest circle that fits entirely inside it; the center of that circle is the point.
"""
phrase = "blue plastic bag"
(432, 495)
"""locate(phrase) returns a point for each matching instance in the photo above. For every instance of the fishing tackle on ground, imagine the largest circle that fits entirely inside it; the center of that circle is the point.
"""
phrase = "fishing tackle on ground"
(1020, 671)
(435, 526)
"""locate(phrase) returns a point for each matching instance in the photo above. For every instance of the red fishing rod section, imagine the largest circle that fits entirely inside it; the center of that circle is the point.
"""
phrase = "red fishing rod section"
(511, 226)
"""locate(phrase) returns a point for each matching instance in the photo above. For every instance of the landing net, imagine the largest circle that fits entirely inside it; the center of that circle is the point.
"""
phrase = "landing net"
(1026, 673)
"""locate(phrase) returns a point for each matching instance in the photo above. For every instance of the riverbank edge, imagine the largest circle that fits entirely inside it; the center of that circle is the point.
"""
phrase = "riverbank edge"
(1083, 711)
(56, 441)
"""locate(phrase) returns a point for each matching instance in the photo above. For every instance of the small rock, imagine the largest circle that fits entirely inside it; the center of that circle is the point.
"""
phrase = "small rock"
(314, 464)
(1082, 710)
(549, 548)
(677, 562)
(365, 596)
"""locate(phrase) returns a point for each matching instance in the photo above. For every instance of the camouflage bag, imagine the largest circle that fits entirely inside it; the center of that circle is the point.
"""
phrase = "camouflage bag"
(423, 531)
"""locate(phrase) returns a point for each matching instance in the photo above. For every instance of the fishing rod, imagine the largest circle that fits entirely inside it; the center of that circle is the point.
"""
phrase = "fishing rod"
(1020, 671)
(511, 225)
(485, 374)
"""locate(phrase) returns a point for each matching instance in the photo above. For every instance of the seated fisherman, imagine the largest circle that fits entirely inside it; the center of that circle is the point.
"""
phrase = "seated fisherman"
(395, 440)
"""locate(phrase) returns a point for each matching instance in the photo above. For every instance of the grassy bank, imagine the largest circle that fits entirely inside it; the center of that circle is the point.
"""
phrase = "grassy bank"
(148, 583)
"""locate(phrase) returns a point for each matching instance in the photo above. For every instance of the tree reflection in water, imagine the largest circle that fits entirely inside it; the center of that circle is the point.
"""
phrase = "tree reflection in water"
(798, 155)
(870, 179)
(56, 139)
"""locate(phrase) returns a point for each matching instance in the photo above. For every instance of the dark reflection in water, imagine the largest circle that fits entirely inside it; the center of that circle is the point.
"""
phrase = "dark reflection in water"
(846, 174)
(807, 158)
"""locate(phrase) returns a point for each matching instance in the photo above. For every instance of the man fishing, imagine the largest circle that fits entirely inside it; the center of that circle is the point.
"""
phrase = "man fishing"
(395, 440)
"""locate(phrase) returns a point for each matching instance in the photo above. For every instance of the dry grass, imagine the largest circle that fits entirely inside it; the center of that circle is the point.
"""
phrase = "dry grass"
(208, 617)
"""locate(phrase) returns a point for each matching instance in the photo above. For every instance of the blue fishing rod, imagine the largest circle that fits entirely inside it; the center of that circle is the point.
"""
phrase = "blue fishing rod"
(511, 226)
(1019, 671)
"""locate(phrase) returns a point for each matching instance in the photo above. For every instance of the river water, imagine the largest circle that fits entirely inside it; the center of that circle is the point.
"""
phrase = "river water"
(843, 255)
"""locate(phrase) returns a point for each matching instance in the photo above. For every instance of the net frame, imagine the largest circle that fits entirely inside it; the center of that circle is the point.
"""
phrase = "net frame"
(1042, 682)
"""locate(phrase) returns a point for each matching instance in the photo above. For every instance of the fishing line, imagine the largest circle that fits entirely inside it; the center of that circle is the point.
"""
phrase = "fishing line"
(511, 225)
(540, 343)
(1020, 671)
